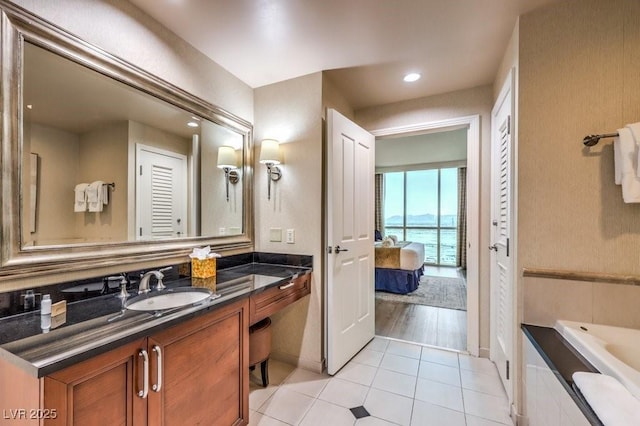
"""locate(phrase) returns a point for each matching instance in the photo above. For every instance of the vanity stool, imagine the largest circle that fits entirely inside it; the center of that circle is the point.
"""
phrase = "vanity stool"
(260, 347)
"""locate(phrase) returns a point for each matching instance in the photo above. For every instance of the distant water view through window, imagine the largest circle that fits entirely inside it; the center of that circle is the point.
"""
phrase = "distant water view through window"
(422, 206)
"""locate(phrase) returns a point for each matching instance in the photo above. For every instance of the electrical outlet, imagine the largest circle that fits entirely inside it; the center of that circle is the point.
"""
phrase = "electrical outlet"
(275, 235)
(291, 236)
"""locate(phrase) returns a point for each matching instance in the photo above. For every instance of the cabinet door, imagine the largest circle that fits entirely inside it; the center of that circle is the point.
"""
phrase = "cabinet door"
(202, 366)
(99, 391)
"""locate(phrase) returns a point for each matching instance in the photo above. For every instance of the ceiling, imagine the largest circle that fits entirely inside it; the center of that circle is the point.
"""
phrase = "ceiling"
(365, 45)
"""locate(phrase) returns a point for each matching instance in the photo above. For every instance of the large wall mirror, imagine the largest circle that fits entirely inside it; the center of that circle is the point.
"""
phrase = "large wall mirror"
(103, 161)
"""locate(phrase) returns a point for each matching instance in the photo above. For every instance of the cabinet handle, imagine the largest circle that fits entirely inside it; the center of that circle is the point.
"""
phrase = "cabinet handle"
(145, 374)
(157, 386)
(286, 286)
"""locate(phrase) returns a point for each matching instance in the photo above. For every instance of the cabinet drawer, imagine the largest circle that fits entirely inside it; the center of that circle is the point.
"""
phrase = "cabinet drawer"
(270, 301)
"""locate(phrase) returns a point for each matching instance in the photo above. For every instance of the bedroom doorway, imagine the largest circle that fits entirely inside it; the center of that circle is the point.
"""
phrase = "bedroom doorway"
(419, 205)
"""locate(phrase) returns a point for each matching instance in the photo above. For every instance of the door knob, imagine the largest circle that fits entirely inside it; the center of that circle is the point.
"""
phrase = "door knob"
(338, 249)
(494, 247)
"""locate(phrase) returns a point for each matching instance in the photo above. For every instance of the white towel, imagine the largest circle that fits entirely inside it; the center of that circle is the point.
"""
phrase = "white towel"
(613, 403)
(635, 133)
(80, 201)
(628, 166)
(617, 160)
(95, 194)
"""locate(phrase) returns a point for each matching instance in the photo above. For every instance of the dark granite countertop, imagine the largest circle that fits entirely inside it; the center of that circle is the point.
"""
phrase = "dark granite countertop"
(563, 360)
(99, 324)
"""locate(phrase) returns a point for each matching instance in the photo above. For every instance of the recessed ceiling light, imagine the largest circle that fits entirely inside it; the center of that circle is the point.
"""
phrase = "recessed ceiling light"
(192, 124)
(29, 106)
(411, 77)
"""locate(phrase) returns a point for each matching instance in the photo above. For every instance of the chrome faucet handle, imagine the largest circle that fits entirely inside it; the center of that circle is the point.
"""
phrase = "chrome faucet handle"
(160, 285)
(124, 294)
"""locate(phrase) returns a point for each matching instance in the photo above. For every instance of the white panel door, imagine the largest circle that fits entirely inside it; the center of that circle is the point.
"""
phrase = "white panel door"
(350, 308)
(501, 275)
(161, 193)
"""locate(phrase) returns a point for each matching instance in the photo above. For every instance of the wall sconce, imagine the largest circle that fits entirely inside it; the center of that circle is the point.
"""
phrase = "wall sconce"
(270, 156)
(227, 161)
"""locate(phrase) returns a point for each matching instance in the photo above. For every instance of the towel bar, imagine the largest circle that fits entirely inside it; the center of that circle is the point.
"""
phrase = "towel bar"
(591, 140)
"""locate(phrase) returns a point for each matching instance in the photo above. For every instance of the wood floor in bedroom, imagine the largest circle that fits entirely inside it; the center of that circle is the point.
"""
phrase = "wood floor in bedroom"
(445, 328)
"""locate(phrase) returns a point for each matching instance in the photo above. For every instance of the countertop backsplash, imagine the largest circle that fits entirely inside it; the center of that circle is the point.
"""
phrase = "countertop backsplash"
(13, 302)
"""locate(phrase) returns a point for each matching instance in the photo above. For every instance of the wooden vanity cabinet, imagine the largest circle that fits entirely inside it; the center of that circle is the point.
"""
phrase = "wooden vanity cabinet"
(197, 374)
(271, 300)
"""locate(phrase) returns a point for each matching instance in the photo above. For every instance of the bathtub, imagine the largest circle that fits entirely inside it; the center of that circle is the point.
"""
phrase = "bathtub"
(614, 351)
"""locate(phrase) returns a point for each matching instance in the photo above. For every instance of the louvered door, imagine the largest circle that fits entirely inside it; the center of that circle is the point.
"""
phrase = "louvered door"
(502, 281)
(161, 193)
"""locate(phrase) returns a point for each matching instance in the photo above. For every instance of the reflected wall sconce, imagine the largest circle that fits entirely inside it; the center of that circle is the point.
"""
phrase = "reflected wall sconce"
(270, 157)
(227, 161)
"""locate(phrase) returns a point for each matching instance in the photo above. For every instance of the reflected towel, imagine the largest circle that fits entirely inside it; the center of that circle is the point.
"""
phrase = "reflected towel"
(95, 194)
(628, 161)
(610, 400)
(617, 160)
(635, 133)
(80, 199)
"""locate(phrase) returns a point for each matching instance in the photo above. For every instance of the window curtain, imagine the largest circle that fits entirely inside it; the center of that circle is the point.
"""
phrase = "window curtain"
(378, 218)
(462, 218)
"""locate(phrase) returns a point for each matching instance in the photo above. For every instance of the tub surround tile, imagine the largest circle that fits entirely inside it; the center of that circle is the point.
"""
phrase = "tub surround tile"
(547, 300)
(615, 304)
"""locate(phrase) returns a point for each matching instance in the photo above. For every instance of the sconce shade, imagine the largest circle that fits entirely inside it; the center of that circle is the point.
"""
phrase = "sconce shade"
(227, 157)
(270, 151)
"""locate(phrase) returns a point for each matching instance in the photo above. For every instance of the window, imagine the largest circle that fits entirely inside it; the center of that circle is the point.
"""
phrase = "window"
(422, 206)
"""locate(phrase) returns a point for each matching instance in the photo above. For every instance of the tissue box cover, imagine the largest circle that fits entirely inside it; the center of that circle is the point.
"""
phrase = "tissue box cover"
(203, 268)
(209, 283)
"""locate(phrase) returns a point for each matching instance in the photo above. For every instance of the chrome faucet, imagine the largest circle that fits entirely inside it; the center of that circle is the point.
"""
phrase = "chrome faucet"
(144, 281)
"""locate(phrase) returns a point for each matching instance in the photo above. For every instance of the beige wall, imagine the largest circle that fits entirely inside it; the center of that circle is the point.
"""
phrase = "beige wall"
(103, 156)
(123, 30)
(441, 107)
(332, 98)
(291, 112)
(579, 63)
(217, 212)
(578, 74)
(58, 169)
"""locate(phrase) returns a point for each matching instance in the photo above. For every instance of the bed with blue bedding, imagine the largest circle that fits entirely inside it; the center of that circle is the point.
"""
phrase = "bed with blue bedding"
(398, 268)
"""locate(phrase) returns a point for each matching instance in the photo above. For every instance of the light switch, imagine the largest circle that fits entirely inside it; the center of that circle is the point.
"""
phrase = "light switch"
(275, 234)
(291, 236)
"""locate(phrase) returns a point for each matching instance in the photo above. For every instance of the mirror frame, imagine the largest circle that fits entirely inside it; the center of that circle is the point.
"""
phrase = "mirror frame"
(18, 26)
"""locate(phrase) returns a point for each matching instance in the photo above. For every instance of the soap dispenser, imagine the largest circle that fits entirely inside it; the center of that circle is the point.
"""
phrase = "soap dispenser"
(45, 313)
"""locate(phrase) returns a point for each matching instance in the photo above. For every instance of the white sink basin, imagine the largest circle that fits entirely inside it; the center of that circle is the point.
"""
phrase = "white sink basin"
(167, 299)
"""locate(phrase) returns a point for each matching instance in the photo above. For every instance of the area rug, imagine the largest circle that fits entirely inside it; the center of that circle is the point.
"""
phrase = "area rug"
(441, 292)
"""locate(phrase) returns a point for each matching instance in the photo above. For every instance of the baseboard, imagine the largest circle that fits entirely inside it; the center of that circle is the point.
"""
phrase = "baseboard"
(315, 366)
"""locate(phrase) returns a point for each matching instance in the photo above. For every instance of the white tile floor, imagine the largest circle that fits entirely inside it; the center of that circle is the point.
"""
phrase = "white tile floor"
(398, 383)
